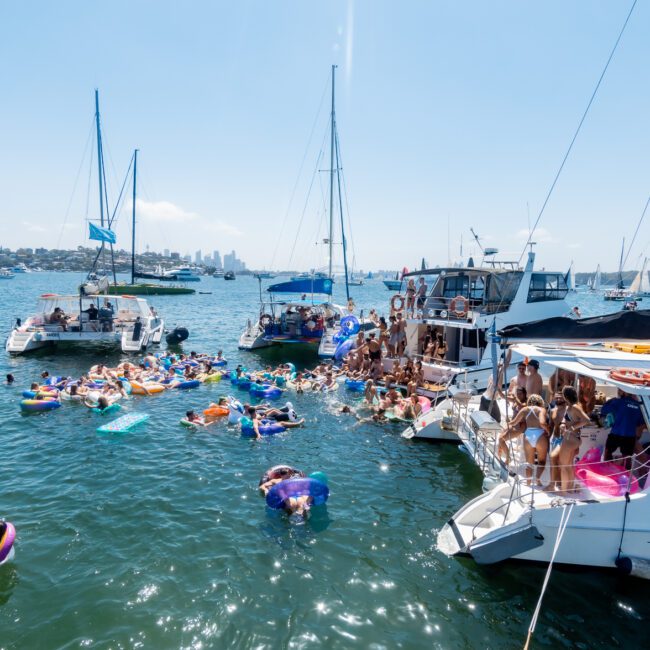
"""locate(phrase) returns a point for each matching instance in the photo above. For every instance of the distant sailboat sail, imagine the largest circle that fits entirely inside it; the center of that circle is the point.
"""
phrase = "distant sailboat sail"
(640, 284)
(596, 284)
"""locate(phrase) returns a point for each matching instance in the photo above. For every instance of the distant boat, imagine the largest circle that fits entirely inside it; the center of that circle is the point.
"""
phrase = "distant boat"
(317, 275)
(218, 273)
(393, 285)
(182, 274)
(229, 275)
(6, 275)
(21, 268)
(640, 285)
(264, 275)
(593, 284)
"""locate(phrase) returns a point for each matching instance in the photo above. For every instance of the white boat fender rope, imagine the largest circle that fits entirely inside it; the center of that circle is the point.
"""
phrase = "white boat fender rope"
(564, 520)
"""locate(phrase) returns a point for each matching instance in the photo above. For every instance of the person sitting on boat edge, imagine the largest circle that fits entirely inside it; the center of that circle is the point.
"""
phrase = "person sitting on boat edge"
(92, 311)
(627, 427)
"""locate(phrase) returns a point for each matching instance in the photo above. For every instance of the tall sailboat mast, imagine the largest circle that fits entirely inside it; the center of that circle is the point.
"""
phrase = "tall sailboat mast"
(100, 174)
(135, 173)
(332, 145)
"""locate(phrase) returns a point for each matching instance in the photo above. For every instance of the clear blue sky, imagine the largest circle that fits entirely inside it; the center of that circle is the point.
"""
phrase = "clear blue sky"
(452, 112)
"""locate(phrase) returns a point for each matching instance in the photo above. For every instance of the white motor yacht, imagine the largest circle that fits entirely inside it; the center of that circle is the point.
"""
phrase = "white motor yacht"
(464, 305)
(605, 522)
(21, 268)
(126, 321)
(183, 274)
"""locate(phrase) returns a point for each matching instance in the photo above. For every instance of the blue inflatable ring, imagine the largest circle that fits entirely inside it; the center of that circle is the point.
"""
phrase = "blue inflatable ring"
(192, 383)
(349, 325)
(266, 427)
(297, 487)
(35, 405)
(355, 385)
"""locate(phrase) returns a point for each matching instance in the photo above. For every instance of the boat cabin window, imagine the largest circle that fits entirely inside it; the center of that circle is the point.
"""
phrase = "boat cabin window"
(547, 286)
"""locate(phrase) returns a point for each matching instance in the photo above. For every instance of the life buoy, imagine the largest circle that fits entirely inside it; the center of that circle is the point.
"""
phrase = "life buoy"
(266, 319)
(394, 300)
(631, 376)
(459, 306)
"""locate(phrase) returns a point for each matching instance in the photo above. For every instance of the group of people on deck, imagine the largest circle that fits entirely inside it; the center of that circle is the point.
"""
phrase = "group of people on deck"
(104, 315)
(552, 431)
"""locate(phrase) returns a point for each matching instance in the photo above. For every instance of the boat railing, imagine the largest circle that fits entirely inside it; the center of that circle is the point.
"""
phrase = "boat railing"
(524, 489)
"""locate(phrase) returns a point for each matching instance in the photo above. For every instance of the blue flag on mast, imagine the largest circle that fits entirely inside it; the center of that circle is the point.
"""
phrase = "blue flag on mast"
(101, 234)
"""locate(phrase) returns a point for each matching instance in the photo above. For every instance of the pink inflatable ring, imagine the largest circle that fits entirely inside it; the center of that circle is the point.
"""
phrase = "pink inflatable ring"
(7, 537)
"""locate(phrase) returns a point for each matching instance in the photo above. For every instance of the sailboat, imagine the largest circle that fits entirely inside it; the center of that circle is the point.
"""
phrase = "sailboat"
(301, 310)
(620, 293)
(142, 288)
(640, 285)
(570, 278)
(593, 284)
(95, 281)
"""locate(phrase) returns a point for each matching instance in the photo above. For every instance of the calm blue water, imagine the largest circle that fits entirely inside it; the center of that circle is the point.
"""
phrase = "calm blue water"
(159, 539)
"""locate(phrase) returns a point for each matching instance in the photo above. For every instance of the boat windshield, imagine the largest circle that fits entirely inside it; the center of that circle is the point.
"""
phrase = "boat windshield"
(487, 291)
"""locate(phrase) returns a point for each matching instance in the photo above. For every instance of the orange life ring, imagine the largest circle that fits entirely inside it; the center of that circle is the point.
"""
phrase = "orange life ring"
(394, 300)
(631, 376)
(461, 309)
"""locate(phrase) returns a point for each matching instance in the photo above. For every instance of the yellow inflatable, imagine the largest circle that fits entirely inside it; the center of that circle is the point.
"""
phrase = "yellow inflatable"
(139, 389)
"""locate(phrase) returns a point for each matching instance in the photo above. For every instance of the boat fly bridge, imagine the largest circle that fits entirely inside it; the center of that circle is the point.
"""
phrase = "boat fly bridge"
(449, 331)
(126, 321)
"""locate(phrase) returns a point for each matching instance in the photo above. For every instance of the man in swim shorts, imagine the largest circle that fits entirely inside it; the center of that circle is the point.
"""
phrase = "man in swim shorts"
(534, 381)
(421, 295)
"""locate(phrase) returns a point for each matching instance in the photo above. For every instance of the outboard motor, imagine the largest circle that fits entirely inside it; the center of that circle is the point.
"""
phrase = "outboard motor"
(177, 335)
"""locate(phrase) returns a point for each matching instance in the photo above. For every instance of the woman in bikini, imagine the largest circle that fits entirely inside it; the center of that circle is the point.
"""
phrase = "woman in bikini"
(574, 419)
(410, 297)
(533, 417)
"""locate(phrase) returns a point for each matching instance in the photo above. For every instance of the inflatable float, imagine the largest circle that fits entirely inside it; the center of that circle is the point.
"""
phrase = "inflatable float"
(266, 428)
(38, 405)
(7, 538)
(186, 385)
(139, 389)
(355, 385)
(216, 411)
(605, 478)
(281, 471)
(278, 495)
(124, 424)
(111, 408)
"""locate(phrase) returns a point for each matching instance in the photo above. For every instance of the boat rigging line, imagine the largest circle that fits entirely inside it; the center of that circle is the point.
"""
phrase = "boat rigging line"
(76, 181)
(564, 520)
(577, 131)
(302, 165)
(636, 232)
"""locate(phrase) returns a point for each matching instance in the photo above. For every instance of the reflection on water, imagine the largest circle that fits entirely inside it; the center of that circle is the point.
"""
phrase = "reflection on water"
(160, 538)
